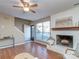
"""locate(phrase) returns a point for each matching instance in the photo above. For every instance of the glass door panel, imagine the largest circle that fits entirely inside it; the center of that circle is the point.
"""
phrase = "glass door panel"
(43, 31)
(46, 30)
(39, 31)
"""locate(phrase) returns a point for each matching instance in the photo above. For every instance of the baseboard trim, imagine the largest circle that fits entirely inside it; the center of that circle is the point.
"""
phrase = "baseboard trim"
(36, 41)
(8, 46)
(40, 42)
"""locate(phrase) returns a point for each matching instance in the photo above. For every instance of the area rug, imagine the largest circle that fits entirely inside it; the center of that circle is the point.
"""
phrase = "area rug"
(25, 56)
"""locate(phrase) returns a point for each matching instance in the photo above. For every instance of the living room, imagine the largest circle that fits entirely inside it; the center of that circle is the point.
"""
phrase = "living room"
(48, 31)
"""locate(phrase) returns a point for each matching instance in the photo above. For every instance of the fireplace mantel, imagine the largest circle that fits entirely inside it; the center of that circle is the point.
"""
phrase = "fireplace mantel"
(66, 28)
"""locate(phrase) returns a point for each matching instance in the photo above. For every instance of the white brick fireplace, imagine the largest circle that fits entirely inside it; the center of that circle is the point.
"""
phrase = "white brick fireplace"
(74, 12)
(75, 35)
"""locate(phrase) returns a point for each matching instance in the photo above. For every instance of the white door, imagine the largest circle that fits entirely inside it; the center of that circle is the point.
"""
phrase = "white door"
(27, 32)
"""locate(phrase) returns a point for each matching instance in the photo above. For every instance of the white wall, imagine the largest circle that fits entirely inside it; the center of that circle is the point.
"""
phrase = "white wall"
(74, 12)
(7, 28)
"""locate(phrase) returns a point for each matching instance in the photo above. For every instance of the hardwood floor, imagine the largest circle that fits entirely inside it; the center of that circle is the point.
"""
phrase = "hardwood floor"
(35, 49)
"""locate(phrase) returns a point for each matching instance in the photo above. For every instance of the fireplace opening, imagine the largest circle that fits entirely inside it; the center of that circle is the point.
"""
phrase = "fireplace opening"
(65, 40)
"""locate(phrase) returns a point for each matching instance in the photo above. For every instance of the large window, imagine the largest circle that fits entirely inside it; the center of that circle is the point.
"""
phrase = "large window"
(43, 31)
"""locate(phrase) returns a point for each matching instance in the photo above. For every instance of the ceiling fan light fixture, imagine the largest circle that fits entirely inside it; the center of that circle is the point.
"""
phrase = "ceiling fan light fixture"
(26, 9)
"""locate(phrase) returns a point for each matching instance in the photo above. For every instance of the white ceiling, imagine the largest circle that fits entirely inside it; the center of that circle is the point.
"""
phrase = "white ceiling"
(45, 8)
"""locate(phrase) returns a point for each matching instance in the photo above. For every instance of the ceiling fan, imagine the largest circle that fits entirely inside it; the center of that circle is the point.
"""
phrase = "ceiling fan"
(27, 6)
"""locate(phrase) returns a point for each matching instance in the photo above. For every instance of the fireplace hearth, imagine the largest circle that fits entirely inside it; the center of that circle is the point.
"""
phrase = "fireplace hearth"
(65, 40)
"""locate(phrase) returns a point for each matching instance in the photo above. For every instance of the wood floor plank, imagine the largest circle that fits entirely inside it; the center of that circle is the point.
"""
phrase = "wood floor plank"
(34, 49)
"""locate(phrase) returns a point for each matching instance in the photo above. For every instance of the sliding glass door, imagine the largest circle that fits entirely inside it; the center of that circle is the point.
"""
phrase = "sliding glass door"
(43, 31)
(39, 31)
(46, 30)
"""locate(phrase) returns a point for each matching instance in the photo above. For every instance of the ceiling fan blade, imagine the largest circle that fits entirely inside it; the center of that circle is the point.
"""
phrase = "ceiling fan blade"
(25, 4)
(32, 11)
(34, 5)
(18, 6)
(22, 1)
